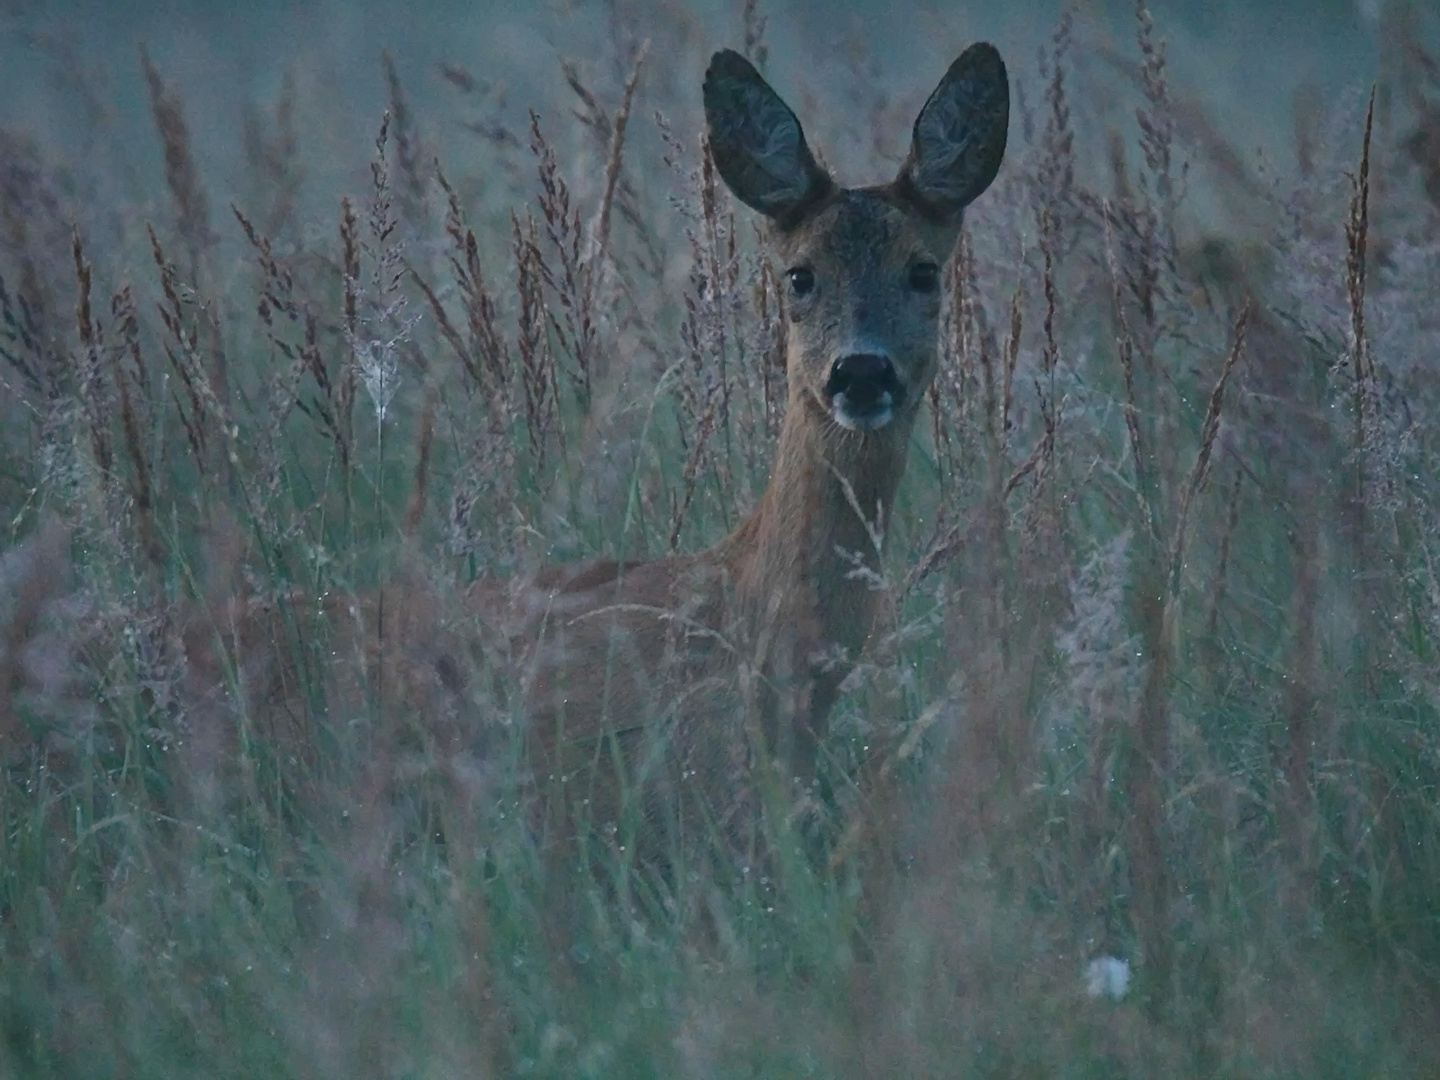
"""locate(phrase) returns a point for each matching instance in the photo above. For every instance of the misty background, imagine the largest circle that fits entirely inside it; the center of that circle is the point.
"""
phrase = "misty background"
(1249, 66)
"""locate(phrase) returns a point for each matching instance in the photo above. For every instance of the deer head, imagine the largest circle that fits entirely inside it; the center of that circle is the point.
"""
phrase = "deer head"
(862, 265)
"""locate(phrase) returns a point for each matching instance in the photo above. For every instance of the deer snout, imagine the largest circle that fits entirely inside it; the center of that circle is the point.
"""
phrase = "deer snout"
(864, 391)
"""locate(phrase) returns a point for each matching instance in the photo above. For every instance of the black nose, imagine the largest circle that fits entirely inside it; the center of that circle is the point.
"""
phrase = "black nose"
(863, 378)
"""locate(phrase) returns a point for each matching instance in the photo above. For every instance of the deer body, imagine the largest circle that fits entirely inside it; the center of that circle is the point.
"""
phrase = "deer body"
(622, 650)
(660, 665)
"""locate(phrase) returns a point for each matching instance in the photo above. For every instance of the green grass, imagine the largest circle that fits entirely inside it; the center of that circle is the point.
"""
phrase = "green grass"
(194, 881)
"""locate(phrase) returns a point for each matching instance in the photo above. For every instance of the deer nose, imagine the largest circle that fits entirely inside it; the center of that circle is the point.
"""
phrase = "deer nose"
(864, 379)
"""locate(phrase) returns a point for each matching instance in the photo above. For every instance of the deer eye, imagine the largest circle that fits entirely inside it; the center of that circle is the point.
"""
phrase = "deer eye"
(802, 280)
(925, 277)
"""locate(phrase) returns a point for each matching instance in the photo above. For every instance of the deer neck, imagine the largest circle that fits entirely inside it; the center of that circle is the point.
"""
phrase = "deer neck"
(793, 563)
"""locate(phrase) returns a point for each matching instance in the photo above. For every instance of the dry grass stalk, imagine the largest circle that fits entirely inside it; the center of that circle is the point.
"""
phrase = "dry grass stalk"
(716, 255)
(350, 264)
(383, 248)
(284, 397)
(414, 183)
(1012, 362)
(1125, 344)
(278, 296)
(420, 486)
(1298, 821)
(1042, 559)
(623, 197)
(703, 423)
(22, 346)
(1055, 179)
(946, 542)
(1209, 430)
(379, 331)
(89, 378)
(1147, 767)
(447, 328)
(1188, 121)
(1145, 231)
(345, 388)
(490, 357)
(1357, 233)
(615, 156)
(1220, 583)
(538, 369)
(136, 417)
(277, 282)
(1357, 237)
(1041, 461)
(192, 203)
(1156, 120)
(459, 76)
(181, 349)
(976, 344)
(484, 351)
(950, 396)
(330, 411)
(574, 286)
(35, 223)
(699, 395)
(272, 150)
(705, 388)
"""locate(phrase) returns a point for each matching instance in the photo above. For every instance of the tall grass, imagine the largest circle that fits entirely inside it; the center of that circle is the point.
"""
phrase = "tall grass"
(1160, 682)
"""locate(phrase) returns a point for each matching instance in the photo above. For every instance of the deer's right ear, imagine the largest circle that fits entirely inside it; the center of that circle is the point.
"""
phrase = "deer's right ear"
(757, 142)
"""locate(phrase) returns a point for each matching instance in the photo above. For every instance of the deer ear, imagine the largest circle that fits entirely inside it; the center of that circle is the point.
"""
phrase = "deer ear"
(959, 137)
(757, 142)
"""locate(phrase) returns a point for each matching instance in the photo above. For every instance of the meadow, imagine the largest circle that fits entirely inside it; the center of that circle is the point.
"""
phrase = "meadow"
(1158, 686)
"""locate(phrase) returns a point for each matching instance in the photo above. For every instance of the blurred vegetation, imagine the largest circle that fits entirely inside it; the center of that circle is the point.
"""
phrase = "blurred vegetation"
(1161, 683)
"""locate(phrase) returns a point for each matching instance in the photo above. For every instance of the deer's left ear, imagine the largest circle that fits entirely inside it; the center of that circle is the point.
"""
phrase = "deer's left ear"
(959, 137)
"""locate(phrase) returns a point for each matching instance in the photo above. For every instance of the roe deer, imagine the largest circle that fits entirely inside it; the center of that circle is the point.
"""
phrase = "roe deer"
(662, 666)
(653, 686)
